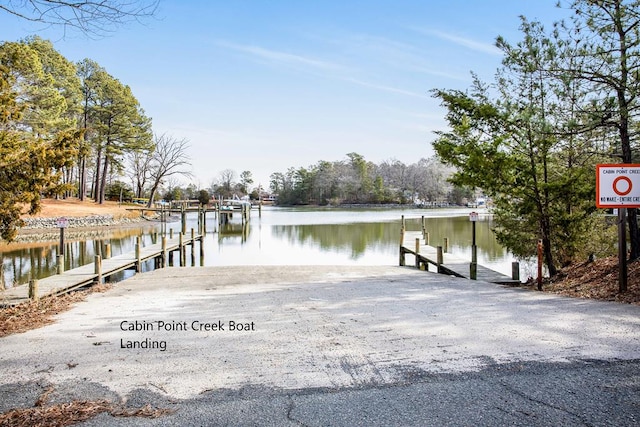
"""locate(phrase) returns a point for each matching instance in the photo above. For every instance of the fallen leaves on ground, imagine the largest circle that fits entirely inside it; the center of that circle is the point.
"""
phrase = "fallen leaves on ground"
(70, 413)
(596, 280)
(34, 314)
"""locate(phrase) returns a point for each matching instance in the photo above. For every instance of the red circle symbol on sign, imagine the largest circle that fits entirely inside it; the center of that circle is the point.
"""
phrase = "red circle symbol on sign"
(622, 192)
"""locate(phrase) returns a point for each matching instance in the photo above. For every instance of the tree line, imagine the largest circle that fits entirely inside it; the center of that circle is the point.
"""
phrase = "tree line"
(563, 100)
(67, 128)
(356, 181)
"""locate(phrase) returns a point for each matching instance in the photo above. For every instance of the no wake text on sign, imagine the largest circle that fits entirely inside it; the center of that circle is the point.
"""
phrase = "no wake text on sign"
(618, 185)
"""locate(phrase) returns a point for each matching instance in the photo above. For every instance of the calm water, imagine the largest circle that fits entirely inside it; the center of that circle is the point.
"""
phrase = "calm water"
(280, 236)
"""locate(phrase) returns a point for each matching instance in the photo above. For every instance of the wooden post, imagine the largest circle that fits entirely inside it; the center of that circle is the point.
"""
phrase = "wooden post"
(417, 252)
(204, 221)
(183, 218)
(540, 265)
(622, 250)
(515, 270)
(439, 257)
(402, 223)
(201, 252)
(182, 251)
(107, 251)
(163, 259)
(33, 290)
(171, 233)
(60, 261)
(138, 260)
(97, 268)
(402, 258)
(193, 248)
(473, 270)
(199, 222)
(427, 239)
(446, 245)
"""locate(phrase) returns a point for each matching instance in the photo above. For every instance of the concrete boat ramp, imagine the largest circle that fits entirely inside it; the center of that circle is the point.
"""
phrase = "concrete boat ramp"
(333, 345)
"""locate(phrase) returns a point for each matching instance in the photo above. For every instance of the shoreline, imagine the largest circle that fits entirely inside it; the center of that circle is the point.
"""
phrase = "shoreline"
(46, 230)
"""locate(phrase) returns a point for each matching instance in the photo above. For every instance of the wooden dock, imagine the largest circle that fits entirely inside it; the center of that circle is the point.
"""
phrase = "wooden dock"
(100, 269)
(412, 242)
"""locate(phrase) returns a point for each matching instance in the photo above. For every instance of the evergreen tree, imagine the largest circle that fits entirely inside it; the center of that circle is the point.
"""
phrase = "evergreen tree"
(515, 147)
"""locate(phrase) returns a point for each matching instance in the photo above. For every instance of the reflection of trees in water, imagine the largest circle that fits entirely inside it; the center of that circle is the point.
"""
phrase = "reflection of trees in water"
(30, 261)
(384, 236)
(354, 238)
(459, 232)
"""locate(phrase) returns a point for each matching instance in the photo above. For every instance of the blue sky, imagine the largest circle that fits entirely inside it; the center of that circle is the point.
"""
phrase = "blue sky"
(266, 85)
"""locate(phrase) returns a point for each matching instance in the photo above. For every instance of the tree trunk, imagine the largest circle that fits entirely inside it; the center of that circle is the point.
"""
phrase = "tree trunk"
(82, 178)
(627, 157)
(95, 187)
(103, 180)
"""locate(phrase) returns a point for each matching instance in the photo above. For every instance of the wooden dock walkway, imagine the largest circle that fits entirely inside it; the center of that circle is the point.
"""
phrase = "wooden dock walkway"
(97, 271)
(448, 263)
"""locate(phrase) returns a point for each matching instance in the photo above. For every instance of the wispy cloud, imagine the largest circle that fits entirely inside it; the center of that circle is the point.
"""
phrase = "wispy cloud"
(286, 58)
(385, 53)
(386, 88)
(463, 41)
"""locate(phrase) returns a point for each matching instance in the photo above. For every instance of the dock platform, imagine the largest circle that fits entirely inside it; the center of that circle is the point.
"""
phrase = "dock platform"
(97, 271)
(446, 263)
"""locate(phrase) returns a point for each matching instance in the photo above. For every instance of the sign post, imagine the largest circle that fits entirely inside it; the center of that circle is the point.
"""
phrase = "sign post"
(618, 186)
(62, 224)
(473, 217)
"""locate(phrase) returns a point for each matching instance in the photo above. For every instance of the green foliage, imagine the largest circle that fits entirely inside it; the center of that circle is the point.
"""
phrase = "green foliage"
(519, 148)
(118, 190)
(204, 197)
(38, 138)
(354, 180)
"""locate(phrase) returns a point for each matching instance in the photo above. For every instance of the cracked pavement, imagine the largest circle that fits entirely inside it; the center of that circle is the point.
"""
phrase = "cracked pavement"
(325, 345)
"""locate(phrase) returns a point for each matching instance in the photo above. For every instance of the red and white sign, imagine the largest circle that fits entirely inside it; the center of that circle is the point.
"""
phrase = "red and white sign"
(62, 222)
(618, 185)
(473, 216)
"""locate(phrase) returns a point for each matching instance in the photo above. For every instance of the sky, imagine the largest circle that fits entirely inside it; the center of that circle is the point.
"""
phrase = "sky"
(263, 86)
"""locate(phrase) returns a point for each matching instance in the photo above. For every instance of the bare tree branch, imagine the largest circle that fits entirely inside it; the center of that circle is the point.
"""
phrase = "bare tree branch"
(89, 17)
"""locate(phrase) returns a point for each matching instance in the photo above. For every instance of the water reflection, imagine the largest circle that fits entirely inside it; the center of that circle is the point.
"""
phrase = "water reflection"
(276, 237)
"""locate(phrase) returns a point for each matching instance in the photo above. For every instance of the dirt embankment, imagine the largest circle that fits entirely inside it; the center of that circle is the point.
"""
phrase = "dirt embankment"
(74, 208)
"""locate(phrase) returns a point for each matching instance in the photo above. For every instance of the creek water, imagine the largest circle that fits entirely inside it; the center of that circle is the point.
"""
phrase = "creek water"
(277, 236)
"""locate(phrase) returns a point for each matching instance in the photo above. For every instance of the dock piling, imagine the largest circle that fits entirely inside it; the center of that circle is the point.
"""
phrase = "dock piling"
(138, 261)
(97, 263)
(60, 264)
(183, 261)
(515, 270)
(163, 256)
(402, 256)
(33, 290)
